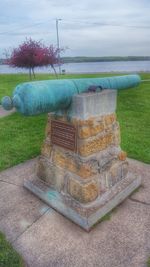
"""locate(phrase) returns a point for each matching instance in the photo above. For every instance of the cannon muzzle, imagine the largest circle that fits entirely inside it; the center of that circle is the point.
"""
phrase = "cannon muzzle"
(33, 98)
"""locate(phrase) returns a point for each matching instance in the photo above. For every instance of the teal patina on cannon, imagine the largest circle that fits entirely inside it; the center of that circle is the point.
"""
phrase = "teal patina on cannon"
(33, 98)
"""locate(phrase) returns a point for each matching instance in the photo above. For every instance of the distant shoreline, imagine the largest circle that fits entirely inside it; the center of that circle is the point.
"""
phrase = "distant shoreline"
(103, 59)
(89, 67)
(83, 59)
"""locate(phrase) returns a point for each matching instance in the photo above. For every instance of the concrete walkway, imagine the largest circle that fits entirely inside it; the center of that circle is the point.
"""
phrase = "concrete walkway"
(4, 113)
(47, 239)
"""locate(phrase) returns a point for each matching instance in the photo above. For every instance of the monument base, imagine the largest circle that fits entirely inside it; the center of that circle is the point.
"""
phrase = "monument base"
(85, 215)
(82, 171)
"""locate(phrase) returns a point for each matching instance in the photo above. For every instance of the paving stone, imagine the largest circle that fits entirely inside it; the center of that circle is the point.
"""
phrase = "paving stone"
(46, 238)
(17, 174)
(143, 194)
(18, 210)
(55, 241)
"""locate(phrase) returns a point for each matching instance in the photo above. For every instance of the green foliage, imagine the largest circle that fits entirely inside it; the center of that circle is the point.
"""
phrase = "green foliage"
(8, 256)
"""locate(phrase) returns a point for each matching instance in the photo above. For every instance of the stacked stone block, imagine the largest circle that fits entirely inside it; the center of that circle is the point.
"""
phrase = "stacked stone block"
(89, 175)
(86, 182)
(92, 170)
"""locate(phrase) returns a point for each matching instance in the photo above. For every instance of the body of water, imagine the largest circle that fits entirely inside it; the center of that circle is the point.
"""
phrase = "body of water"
(91, 67)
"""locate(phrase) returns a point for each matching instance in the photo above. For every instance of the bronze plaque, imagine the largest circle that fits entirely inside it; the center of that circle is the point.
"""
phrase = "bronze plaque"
(64, 134)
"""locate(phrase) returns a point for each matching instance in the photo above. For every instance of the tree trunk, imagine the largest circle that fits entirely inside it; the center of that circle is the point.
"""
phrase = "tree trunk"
(30, 75)
(33, 72)
(54, 71)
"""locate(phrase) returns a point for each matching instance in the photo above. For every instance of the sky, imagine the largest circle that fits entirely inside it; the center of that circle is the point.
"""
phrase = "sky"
(86, 28)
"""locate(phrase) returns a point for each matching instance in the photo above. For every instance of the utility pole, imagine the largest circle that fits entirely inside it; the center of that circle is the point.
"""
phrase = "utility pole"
(59, 64)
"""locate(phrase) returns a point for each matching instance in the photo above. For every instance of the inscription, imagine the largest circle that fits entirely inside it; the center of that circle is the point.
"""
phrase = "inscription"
(63, 134)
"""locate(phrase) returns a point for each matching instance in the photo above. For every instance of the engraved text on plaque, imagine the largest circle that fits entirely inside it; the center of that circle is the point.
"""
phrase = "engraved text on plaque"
(63, 134)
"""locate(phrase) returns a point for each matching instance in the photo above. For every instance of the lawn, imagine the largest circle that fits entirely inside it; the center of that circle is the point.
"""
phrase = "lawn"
(21, 137)
(8, 256)
(148, 262)
(133, 110)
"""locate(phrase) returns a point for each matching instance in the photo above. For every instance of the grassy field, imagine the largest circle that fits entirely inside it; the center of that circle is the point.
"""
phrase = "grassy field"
(133, 111)
(8, 256)
(148, 262)
(21, 137)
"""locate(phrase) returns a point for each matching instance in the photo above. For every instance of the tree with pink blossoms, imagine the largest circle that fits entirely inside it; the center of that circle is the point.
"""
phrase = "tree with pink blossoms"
(31, 54)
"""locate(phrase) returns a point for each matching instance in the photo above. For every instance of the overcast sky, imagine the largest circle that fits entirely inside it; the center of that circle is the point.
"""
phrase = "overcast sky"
(87, 28)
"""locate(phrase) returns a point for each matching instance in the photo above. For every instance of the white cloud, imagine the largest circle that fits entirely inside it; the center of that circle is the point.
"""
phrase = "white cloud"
(88, 27)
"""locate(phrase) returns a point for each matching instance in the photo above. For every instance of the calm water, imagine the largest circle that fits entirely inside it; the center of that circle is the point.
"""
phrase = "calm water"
(93, 67)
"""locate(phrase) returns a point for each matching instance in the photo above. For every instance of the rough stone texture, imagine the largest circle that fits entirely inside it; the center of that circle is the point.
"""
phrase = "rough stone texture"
(98, 143)
(72, 163)
(85, 166)
(85, 214)
(88, 131)
(116, 135)
(83, 193)
(95, 125)
(51, 174)
(122, 155)
(46, 149)
(98, 151)
(97, 134)
(117, 172)
(48, 127)
(52, 240)
(94, 173)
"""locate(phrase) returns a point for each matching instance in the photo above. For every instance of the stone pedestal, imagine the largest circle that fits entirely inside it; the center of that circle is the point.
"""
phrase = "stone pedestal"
(86, 176)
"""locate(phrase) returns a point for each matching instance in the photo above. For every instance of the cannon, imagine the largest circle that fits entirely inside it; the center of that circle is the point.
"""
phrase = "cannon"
(37, 97)
(82, 171)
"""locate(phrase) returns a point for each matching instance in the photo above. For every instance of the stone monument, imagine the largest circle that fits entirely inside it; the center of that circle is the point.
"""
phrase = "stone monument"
(82, 171)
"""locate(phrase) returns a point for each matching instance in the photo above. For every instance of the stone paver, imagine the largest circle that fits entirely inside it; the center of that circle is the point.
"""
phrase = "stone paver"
(46, 238)
(18, 209)
(4, 113)
(54, 241)
(16, 174)
(142, 195)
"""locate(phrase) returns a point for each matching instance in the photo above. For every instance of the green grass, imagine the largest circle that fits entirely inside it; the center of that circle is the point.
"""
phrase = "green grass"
(8, 256)
(9, 81)
(148, 262)
(21, 137)
(106, 217)
(133, 112)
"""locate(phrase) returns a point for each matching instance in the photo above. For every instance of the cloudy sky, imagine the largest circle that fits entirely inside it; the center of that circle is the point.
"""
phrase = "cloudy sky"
(87, 28)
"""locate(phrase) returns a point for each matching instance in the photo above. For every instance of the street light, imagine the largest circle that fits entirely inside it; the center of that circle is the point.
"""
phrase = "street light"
(59, 65)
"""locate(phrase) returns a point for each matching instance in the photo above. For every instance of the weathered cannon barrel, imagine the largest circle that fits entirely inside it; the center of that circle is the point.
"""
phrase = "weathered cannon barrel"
(47, 96)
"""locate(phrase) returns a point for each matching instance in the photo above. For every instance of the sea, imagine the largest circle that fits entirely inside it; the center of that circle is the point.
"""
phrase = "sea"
(88, 67)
